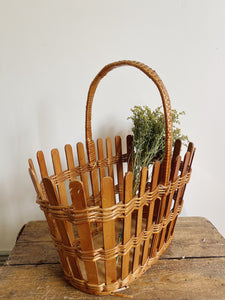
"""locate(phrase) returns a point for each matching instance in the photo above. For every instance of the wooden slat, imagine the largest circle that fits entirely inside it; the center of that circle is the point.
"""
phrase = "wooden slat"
(62, 200)
(176, 151)
(94, 172)
(84, 230)
(190, 149)
(144, 174)
(82, 163)
(192, 157)
(158, 217)
(175, 163)
(109, 156)
(107, 194)
(174, 175)
(179, 193)
(129, 152)
(34, 179)
(161, 211)
(175, 167)
(128, 188)
(183, 172)
(31, 165)
(42, 164)
(63, 227)
(51, 222)
(154, 182)
(156, 238)
(118, 145)
(70, 158)
(58, 170)
(101, 157)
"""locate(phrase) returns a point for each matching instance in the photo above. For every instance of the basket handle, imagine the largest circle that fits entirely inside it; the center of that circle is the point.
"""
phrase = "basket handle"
(165, 100)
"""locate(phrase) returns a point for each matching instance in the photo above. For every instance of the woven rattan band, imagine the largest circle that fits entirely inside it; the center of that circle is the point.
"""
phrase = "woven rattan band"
(119, 249)
(119, 210)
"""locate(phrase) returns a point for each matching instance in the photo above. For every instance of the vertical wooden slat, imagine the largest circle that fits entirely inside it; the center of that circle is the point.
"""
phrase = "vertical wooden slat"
(101, 157)
(109, 156)
(183, 172)
(34, 179)
(53, 224)
(70, 158)
(169, 198)
(163, 203)
(119, 166)
(128, 188)
(62, 225)
(42, 164)
(179, 193)
(192, 157)
(94, 172)
(58, 169)
(174, 175)
(176, 151)
(44, 173)
(50, 221)
(190, 150)
(158, 218)
(84, 230)
(107, 194)
(144, 174)
(31, 165)
(62, 192)
(129, 152)
(82, 163)
(154, 182)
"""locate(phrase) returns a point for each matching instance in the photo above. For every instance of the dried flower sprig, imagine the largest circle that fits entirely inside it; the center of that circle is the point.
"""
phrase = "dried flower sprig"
(149, 137)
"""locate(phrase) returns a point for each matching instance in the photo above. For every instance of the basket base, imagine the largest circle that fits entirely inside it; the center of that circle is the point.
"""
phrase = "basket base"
(119, 285)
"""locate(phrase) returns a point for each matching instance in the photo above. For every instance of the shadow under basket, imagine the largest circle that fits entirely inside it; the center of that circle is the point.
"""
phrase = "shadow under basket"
(105, 236)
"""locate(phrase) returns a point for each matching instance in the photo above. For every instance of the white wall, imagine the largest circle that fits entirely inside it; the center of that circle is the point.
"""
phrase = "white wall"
(51, 50)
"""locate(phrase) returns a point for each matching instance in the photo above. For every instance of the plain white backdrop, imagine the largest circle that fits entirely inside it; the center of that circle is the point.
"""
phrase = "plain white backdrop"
(51, 50)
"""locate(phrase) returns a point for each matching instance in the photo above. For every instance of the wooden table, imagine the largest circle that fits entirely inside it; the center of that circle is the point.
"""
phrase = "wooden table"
(193, 267)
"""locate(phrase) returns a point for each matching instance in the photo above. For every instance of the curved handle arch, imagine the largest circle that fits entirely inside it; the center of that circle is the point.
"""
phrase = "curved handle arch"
(165, 100)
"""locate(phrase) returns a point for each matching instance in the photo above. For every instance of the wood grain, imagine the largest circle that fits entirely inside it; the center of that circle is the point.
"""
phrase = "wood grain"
(193, 279)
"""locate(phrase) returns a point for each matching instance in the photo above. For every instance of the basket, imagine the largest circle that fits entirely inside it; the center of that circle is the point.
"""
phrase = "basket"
(103, 243)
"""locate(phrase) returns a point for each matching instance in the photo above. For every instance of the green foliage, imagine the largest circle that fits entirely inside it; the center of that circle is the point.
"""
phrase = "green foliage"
(149, 137)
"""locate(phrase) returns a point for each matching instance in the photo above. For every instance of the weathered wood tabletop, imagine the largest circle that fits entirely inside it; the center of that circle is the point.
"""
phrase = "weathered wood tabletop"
(193, 267)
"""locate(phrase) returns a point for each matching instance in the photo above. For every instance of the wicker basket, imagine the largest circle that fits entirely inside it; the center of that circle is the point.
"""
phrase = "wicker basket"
(104, 244)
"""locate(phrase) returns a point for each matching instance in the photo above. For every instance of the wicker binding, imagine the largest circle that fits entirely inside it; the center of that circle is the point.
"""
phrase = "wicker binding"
(104, 244)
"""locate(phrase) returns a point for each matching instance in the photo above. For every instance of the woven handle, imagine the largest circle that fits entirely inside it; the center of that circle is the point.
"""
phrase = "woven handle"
(165, 100)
